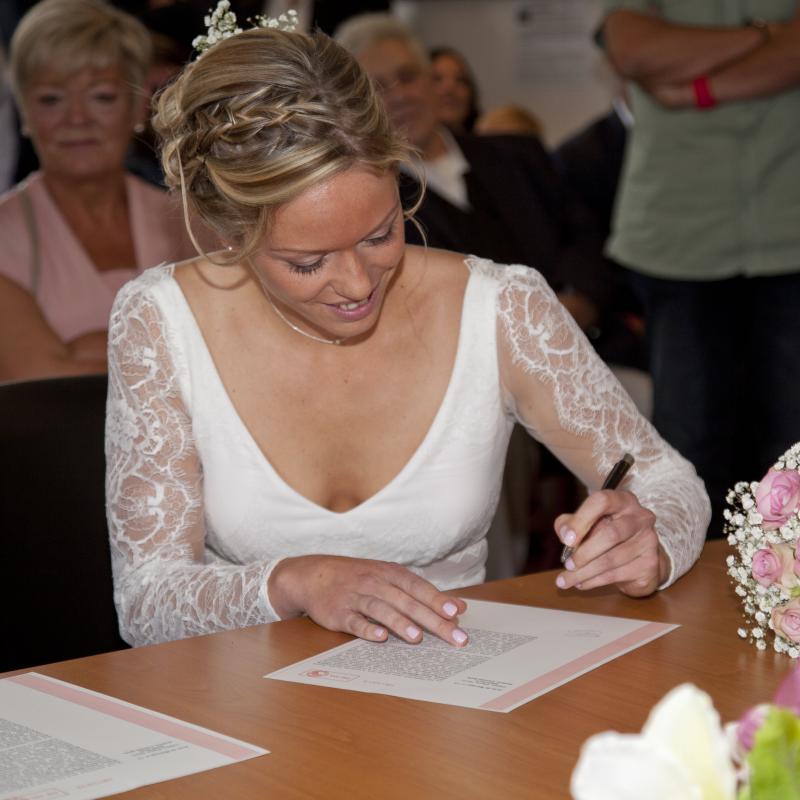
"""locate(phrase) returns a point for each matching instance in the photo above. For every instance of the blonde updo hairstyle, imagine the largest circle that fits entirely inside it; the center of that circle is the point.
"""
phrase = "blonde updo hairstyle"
(66, 36)
(259, 118)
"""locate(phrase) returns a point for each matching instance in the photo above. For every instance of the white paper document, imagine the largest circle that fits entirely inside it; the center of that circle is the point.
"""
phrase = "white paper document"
(514, 653)
(58, 740)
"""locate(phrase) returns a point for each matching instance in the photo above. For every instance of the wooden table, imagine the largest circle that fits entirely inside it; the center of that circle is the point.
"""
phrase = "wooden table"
(330, 743)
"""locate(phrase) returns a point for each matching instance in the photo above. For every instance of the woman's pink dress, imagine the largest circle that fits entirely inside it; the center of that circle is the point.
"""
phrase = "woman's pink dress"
(75, 298)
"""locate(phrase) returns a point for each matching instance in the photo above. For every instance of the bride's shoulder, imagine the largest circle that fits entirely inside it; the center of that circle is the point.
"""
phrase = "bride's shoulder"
(144, 284)
(514, 276)
(435, 270)
(447, 267)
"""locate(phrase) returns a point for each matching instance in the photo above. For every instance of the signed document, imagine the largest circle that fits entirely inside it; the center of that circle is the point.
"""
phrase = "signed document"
(58, 740)
(514, 653)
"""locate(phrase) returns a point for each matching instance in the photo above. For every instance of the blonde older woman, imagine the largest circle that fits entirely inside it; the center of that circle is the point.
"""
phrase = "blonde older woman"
(75, 231)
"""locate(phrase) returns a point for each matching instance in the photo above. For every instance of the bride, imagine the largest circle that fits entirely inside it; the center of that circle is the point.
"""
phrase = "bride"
(314, 421)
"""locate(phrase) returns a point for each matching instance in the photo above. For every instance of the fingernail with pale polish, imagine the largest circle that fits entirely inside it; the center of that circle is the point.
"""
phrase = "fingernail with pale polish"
(380, 633)
(569, 564)
(459, 637)
(450, 609)
(560, 582)
(412, 632)
(569, 537)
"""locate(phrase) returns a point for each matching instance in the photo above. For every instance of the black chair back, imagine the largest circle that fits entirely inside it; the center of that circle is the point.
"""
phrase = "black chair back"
(56, 598)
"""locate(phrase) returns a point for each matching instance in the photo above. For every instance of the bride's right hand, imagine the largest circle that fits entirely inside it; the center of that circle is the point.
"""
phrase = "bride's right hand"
(364, 598)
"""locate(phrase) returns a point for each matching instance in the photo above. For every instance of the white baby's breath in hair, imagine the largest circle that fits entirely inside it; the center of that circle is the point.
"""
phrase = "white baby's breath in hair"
(763, 525)
(221, 24)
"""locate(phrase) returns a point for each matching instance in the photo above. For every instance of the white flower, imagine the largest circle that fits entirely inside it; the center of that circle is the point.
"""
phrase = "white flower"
(221, 24)
(681, 754)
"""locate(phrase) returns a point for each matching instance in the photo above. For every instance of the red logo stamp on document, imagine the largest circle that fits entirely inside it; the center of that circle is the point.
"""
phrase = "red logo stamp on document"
(327, 675)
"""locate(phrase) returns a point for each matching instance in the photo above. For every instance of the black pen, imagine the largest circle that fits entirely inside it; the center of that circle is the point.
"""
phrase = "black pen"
(613, 479)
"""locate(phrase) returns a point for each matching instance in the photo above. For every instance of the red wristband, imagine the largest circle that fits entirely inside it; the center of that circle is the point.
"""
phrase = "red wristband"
(702, 93)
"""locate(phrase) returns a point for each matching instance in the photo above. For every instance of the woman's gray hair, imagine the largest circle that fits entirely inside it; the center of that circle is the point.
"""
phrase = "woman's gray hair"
(363, 31)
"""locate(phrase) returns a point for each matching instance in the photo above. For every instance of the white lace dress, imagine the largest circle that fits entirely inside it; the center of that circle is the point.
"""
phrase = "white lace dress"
(198, 517)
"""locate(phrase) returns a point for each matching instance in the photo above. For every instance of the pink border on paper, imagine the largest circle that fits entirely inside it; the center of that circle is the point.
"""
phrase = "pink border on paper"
(135, 715)
(572, 669)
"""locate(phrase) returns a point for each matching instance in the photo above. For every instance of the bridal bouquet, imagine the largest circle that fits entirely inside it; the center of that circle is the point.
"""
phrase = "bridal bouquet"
(763, 524)
(684, 752)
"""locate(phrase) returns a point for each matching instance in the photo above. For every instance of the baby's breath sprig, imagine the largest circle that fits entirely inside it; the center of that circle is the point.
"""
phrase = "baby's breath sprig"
(221, 23)
(286, 22)
(762, 523)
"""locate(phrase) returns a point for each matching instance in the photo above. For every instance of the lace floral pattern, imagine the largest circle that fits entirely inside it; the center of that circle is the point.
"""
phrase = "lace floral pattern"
(163, 588)
(584, 415)
(169, 584)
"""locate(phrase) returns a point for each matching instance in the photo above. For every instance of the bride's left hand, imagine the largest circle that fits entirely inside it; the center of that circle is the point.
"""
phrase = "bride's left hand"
(615, 542)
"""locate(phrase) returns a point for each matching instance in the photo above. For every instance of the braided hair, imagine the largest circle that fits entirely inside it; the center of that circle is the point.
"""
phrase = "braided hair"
(262, 116)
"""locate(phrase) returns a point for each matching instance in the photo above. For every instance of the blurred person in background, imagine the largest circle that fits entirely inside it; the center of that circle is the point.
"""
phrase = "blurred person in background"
(706, 222)
(456, 89)
(500, 197)
(509, 120)
(79, 228)
(497, 197)
(590, 162)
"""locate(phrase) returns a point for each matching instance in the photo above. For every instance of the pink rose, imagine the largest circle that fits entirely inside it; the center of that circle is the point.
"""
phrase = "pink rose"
(767, 566)
(778, 496)
(775, 564)
(786, 620)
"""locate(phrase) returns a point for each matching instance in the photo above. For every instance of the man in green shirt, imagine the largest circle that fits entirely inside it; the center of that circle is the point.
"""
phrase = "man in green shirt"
(708, 220)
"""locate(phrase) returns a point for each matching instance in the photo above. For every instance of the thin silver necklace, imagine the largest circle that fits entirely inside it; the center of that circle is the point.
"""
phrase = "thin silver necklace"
(282, 317)
(300, 330)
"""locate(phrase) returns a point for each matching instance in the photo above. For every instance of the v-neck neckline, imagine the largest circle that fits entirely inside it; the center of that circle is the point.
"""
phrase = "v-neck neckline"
(418, 454)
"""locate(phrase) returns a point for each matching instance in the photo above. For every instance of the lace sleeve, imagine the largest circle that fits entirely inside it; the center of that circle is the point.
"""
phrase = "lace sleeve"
(567, 398)
(163, 588)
